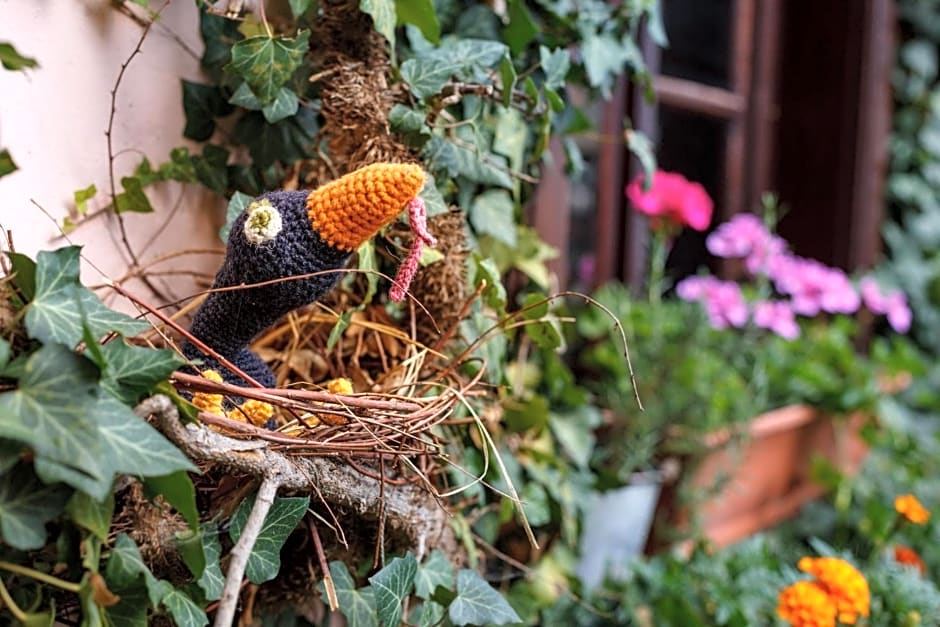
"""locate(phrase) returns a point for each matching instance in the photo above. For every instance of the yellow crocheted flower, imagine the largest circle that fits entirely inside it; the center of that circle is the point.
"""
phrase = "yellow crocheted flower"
(350, 210)
(207, 402)
(908, 506)
(806, 604)
(257, 412)
(341, 385)
(847, 587)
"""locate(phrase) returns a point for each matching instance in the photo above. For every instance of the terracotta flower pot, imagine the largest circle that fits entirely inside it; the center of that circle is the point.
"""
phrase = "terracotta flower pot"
(766, 478)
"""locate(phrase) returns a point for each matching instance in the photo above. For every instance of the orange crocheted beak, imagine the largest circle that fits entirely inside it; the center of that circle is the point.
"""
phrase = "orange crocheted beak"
(350, 210)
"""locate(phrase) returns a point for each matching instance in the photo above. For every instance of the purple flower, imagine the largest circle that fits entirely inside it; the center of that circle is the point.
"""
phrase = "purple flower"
(745, 235)
(892, 304)
(778, 317)
(813, 286)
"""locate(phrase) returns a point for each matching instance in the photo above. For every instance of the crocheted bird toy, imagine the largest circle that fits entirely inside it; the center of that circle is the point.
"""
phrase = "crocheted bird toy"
(285, 251)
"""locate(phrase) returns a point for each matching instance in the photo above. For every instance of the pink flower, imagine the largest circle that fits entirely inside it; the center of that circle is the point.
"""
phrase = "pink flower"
(745, 235)
(813, 286)
(892, 304)
(725, 305)
(693, 288)
(723, 301)
(673, 198)
(778, 317)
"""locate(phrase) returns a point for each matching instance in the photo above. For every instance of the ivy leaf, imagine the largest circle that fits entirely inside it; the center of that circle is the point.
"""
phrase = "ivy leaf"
(131, 371)
(639, 145)
(521, 29)
(189, 545)
(427, 77)
(284, 105)
(218, 35)
(477, 603)
(25, 507)
(13, 60)
(7, 165)
(131, 610)
(428, 614)
(480, 167)
(91, 514)
(82, 196)
(383, 17)
(24, 274)
(555, 63)
(236, 205)
(51, 411)
(267, 63)
(433, 198)
(212, 580)
(392, 585)
(125, 566)
(421, 13)
(604, 58)
(177, 488)
(486, 270)
(202, 104)
(134, 447)
(184, 611)
(507, 77)
(493, 213)
(245, 98)
(78, 436)
(435, 571)
(211, 167)
(299, 7)
(265, 559)
(133, 197)
(357, 605)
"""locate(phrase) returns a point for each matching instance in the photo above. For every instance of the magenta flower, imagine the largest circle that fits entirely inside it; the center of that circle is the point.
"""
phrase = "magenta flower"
(813, 286)
(778, 317)
(672, 198)
(893, 304)
(745, 235)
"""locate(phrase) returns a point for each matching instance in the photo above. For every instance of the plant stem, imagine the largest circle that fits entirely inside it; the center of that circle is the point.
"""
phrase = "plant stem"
(657, 265)
(18, 614)
(39, 576)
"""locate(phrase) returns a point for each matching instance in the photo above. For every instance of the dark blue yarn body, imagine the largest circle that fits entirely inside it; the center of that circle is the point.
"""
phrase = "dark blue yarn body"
(227, 321)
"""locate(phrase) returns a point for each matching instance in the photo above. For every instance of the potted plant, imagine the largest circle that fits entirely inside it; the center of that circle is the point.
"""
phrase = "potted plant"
(740, 380)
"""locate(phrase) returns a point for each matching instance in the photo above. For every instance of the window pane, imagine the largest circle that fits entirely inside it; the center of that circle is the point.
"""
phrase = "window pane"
(699, 34)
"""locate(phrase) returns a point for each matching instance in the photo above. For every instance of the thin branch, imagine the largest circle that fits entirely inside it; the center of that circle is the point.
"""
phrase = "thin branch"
(242, 550)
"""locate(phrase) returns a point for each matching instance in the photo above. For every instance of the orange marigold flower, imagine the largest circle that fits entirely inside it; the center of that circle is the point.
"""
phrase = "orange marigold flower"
(908, 556)
(909, 507)
(806, 604)
(847, 587)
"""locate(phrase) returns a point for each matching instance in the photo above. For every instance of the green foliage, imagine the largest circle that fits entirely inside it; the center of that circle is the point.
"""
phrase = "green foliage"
(265, 559)
(467, 600)
(911, 235)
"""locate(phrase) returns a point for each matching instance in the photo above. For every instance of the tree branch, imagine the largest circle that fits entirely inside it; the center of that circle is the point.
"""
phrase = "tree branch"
(238, 558)
(412, 513)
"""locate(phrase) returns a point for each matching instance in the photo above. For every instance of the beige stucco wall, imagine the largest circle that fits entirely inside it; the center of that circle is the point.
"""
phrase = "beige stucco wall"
(53, 121)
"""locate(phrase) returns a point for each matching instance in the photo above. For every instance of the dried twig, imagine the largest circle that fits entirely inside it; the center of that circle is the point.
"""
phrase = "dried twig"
(238, 557)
